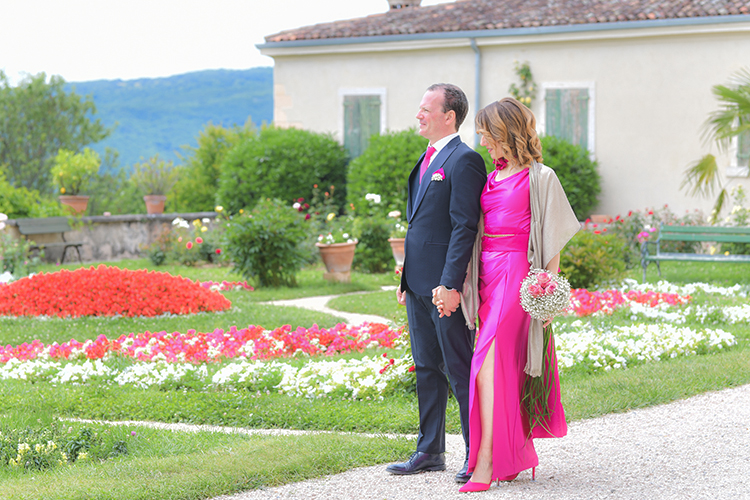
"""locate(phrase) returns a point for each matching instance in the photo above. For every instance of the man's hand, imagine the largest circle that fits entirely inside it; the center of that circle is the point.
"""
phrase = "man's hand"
(400, 296)
(447, 301)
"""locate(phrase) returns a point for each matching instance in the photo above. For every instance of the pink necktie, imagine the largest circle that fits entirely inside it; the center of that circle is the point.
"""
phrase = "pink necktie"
(426, 162)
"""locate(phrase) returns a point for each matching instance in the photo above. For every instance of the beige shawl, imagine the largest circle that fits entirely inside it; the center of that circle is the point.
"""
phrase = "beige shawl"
(553, 223)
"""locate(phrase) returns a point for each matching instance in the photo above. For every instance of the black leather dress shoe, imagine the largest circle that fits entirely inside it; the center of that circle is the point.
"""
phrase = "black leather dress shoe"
(464, 475)
(418, 462)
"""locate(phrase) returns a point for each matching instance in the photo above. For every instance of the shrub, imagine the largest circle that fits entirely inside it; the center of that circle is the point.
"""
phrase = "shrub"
(373, 253)
(639, 226)
(20, 203)
(186, 243)
(263, 245)
(592, 258)
(384, 168)
(14, 255)
(196, 188)
(577, 173)
(73, 171)
(738, 217)
(281, 163)
(154, 176)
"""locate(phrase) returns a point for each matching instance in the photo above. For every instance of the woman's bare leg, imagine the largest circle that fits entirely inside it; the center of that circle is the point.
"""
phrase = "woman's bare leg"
(486, 393)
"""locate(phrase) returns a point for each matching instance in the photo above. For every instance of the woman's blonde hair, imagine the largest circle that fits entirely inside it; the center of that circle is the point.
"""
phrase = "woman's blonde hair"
(512, 127)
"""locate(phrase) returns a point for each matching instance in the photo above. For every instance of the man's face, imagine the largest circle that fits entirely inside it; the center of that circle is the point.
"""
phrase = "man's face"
(433, 123)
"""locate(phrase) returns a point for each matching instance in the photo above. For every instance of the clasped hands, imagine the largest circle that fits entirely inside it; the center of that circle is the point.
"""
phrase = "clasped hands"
(445, 300)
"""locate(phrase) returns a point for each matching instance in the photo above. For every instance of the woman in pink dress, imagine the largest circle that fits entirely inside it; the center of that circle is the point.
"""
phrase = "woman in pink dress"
(527, 220)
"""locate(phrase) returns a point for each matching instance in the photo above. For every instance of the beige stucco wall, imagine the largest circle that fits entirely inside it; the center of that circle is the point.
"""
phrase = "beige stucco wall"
(652, 91)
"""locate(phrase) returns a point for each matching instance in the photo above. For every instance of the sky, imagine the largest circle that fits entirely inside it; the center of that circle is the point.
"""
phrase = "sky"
(83, 40)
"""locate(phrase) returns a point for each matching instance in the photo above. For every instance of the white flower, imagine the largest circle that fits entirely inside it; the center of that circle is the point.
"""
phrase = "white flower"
(375, 198)
(437, 177)
(296, 206)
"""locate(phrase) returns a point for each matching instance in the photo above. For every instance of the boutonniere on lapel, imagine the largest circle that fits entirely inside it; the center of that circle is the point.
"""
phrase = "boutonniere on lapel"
(439, 175)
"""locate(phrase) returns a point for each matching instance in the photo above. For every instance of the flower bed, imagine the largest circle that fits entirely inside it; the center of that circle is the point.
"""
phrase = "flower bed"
(107, 291)
(249, 358)
(585, 303)
(252, 342)
(600, 348)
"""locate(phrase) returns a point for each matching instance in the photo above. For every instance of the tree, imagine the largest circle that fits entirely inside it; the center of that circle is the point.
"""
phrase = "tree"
(283, 163)
(731, 120)
(37, 119)
(199, 175)
(384, 169)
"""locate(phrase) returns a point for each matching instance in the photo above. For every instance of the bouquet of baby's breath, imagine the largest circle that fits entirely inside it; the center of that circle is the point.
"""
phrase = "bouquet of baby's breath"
(544, 294)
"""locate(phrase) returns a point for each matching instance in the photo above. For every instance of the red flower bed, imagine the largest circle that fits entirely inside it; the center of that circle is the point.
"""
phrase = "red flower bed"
(584, 302)
(107, 291)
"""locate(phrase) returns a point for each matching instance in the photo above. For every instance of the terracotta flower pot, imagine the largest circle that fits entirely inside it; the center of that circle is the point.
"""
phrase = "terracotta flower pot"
(601, 218)
(77, 203)
(397, 247)
(155, 203)
(338, 258)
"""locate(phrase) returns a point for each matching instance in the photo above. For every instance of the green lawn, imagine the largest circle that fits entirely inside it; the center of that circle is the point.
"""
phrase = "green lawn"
(222, 464)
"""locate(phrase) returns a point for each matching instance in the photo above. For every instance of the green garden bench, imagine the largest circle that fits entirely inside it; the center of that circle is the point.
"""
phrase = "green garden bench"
(694, 233)
(49, 225)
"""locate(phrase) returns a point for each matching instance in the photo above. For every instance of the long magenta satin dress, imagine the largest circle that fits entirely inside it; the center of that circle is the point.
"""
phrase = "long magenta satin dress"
(504, 264)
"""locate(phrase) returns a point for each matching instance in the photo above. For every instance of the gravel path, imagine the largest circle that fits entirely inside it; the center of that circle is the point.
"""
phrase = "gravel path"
(697, 448)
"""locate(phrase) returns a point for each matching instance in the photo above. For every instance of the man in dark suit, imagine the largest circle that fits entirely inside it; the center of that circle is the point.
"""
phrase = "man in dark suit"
(442, 212)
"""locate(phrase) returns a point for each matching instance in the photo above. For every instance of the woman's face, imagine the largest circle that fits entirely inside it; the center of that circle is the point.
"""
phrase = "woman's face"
(493, 148)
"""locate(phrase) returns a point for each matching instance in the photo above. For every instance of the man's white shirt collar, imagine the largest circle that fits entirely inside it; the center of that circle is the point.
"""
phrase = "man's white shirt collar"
(441, 144)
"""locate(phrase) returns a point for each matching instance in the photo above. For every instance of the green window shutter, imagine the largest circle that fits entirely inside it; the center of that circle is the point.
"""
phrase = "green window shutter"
(567, 115)
(361, 121)
(743, 149)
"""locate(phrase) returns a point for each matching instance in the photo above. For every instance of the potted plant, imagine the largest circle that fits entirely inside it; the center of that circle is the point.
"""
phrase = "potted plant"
(72, 173)
(337, 248)
(397, 239)
(155, 178)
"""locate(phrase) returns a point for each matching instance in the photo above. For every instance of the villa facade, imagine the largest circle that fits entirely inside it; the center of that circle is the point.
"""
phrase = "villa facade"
(630, 81)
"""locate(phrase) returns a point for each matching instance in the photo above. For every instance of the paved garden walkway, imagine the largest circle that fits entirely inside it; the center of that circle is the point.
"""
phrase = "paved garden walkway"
(320, 304)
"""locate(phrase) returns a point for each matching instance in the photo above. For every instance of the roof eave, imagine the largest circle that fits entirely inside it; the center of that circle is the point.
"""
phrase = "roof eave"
(541, 30)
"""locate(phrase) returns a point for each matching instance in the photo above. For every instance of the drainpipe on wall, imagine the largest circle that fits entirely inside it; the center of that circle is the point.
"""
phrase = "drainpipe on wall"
(477, 85)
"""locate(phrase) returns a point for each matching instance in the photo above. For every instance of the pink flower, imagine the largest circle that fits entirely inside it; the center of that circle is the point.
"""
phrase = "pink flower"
(199, 240)
(551, 287)
(218, 251)
(543, 279)
(536, 290)
(189, 245)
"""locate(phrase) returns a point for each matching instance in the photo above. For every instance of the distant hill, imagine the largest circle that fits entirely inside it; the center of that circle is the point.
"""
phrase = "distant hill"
(160, 115)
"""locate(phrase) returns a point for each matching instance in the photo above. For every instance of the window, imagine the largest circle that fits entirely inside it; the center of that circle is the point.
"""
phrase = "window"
(363, 115)
(568, 112)
(740, 154)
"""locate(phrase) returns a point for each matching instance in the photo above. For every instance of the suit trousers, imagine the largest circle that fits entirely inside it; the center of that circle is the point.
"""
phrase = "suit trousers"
(442, 350)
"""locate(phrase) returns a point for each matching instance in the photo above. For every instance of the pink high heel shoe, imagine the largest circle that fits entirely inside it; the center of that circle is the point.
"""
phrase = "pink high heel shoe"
(470, 487)
(511, 478)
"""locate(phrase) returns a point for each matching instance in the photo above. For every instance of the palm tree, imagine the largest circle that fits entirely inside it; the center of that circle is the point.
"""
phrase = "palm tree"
(731, 120)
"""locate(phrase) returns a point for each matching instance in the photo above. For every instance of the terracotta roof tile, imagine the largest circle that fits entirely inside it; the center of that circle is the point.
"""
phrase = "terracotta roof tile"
(470, 15)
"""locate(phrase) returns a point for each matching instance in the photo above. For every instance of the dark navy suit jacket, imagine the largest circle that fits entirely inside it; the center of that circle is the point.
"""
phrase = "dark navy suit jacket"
(442, 217)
